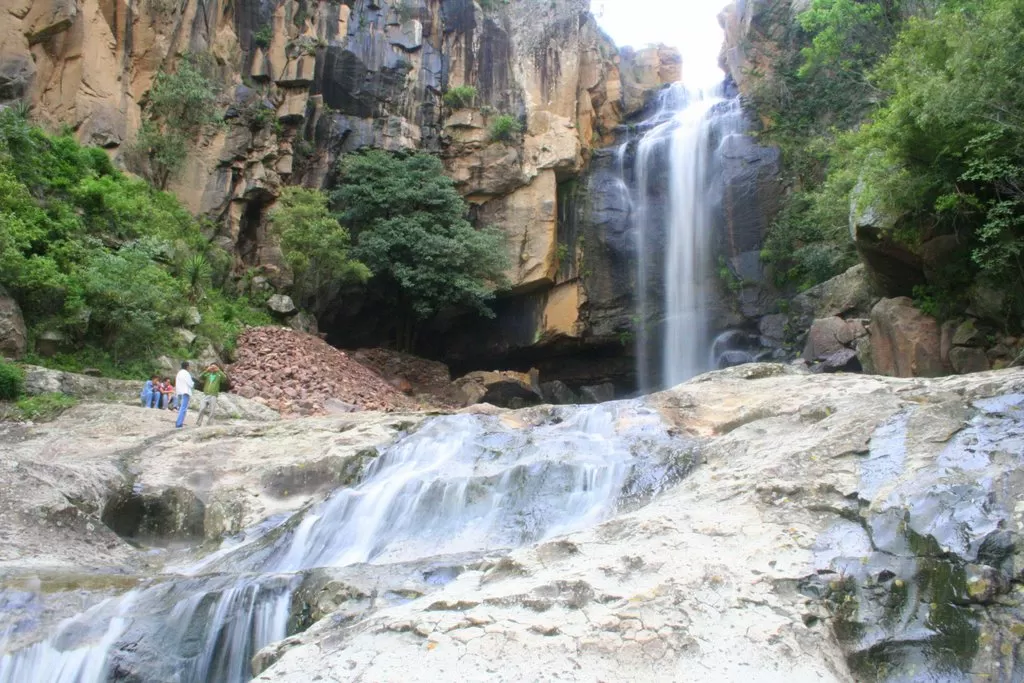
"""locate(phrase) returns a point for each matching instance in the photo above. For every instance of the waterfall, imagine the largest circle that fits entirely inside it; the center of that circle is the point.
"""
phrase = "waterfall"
(675, 206)
(459, 484)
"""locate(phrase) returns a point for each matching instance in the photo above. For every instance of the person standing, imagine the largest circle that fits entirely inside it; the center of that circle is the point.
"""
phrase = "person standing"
(183, 385)
(213, 377)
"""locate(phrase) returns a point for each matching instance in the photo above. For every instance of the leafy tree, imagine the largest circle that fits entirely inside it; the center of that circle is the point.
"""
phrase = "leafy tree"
(315, 245)
(180, 105)
(411, 231)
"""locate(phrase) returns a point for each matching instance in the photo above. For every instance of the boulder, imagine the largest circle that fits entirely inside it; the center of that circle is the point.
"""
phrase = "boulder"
(186, 336)
(847, 294)
(304, 322)
(987, 303)
(892, 268)
(904, 341)
(557, 393)
(13, 335)
(193, 317)
(843, 360)
(967, 334)
(773, 329)
(281, 304)
(965, 359)
(598, 393)
(829, 335)
(502, 388)
(48, 342)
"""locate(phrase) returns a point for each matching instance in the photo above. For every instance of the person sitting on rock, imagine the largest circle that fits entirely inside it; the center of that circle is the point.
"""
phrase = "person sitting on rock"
(150, 392)
(166, 394)
(213, 378)
(183, 385)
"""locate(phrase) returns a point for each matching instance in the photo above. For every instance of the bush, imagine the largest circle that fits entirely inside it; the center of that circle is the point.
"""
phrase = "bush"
(460, 96)
(505, 128)
(12, 381)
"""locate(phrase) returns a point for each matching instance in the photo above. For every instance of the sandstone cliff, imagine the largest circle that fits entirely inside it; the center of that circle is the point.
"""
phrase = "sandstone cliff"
(339, 76)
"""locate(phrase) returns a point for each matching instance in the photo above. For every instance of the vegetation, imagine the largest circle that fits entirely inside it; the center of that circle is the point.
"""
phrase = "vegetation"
(505, 128)
(316, 247)
(12, 381)
(263, 36)
(106, 261)
(43, 407)
(920, 108)
(460, 96)
(411, 231)
(180, 106)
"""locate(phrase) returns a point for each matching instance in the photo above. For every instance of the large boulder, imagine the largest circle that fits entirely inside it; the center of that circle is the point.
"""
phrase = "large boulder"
(904, 341)
(13, 336)
(829, 335)
(892, 268)
(502, 388)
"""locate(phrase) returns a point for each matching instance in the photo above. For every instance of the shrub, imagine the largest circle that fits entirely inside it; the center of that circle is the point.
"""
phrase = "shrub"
(12, 381)
(460, 96)
(263, 36)
(505, 128)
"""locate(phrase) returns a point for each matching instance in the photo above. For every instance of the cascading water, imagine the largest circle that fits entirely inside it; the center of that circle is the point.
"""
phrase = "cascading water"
(459, 484)
(676, 202)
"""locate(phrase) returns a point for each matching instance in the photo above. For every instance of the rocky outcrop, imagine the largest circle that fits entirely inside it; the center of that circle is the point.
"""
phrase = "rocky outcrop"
(40, 380)
(500, 388)
(13, 335)
(877, 539)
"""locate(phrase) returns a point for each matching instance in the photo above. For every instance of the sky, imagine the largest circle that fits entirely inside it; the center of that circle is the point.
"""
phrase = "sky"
(690, 25)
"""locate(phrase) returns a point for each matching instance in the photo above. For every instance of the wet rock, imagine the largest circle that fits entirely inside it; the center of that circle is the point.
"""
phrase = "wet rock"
(13, 335)
(985, 583)
(156, 517)
(598, 393)
(904, 341)
(557, 393)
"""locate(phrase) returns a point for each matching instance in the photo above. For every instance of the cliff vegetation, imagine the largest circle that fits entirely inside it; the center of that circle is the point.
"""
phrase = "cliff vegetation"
(902, 126)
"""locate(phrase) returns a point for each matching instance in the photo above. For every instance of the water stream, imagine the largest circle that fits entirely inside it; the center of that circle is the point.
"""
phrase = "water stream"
(676, 204)
(459, 484)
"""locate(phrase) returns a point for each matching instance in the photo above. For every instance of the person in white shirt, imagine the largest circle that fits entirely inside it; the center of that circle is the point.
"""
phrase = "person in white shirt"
(183, 385)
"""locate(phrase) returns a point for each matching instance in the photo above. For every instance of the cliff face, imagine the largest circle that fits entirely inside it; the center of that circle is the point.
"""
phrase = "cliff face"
(339, 76)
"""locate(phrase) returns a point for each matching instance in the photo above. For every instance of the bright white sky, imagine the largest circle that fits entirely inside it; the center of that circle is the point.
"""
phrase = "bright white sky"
(690, 25)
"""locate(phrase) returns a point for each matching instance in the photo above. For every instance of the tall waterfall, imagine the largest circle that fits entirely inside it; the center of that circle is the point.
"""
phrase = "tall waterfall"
(461, 484)
(676, 204)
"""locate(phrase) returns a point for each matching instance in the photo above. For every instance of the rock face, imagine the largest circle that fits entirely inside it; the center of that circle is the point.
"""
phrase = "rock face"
(13, 336)
(305, 81)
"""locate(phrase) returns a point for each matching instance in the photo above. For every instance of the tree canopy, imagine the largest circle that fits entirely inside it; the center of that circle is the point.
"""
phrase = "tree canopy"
(412, 232)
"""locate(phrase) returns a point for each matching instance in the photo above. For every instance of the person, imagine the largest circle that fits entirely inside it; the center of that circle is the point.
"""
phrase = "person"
(183, 385)
(213, 377)
(164, 394)
(149, 391)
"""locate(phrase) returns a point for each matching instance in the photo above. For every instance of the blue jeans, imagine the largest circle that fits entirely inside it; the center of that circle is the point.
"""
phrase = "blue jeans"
(182, 409)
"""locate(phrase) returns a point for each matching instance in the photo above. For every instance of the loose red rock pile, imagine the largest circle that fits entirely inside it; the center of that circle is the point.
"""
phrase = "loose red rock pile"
(297, 373)
(427, 379)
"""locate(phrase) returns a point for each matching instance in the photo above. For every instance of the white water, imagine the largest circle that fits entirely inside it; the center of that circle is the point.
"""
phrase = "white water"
(461, 483)
(675, 209)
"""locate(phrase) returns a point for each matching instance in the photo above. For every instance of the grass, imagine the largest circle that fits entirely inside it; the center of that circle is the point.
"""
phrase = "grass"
(41, 408)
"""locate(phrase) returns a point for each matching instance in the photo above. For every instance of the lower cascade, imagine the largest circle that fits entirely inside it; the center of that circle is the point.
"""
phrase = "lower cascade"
(459, 485)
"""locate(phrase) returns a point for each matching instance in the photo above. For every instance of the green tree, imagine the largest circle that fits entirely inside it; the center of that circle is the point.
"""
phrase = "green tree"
(180, 105)
(411, 231)
(316, 247)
